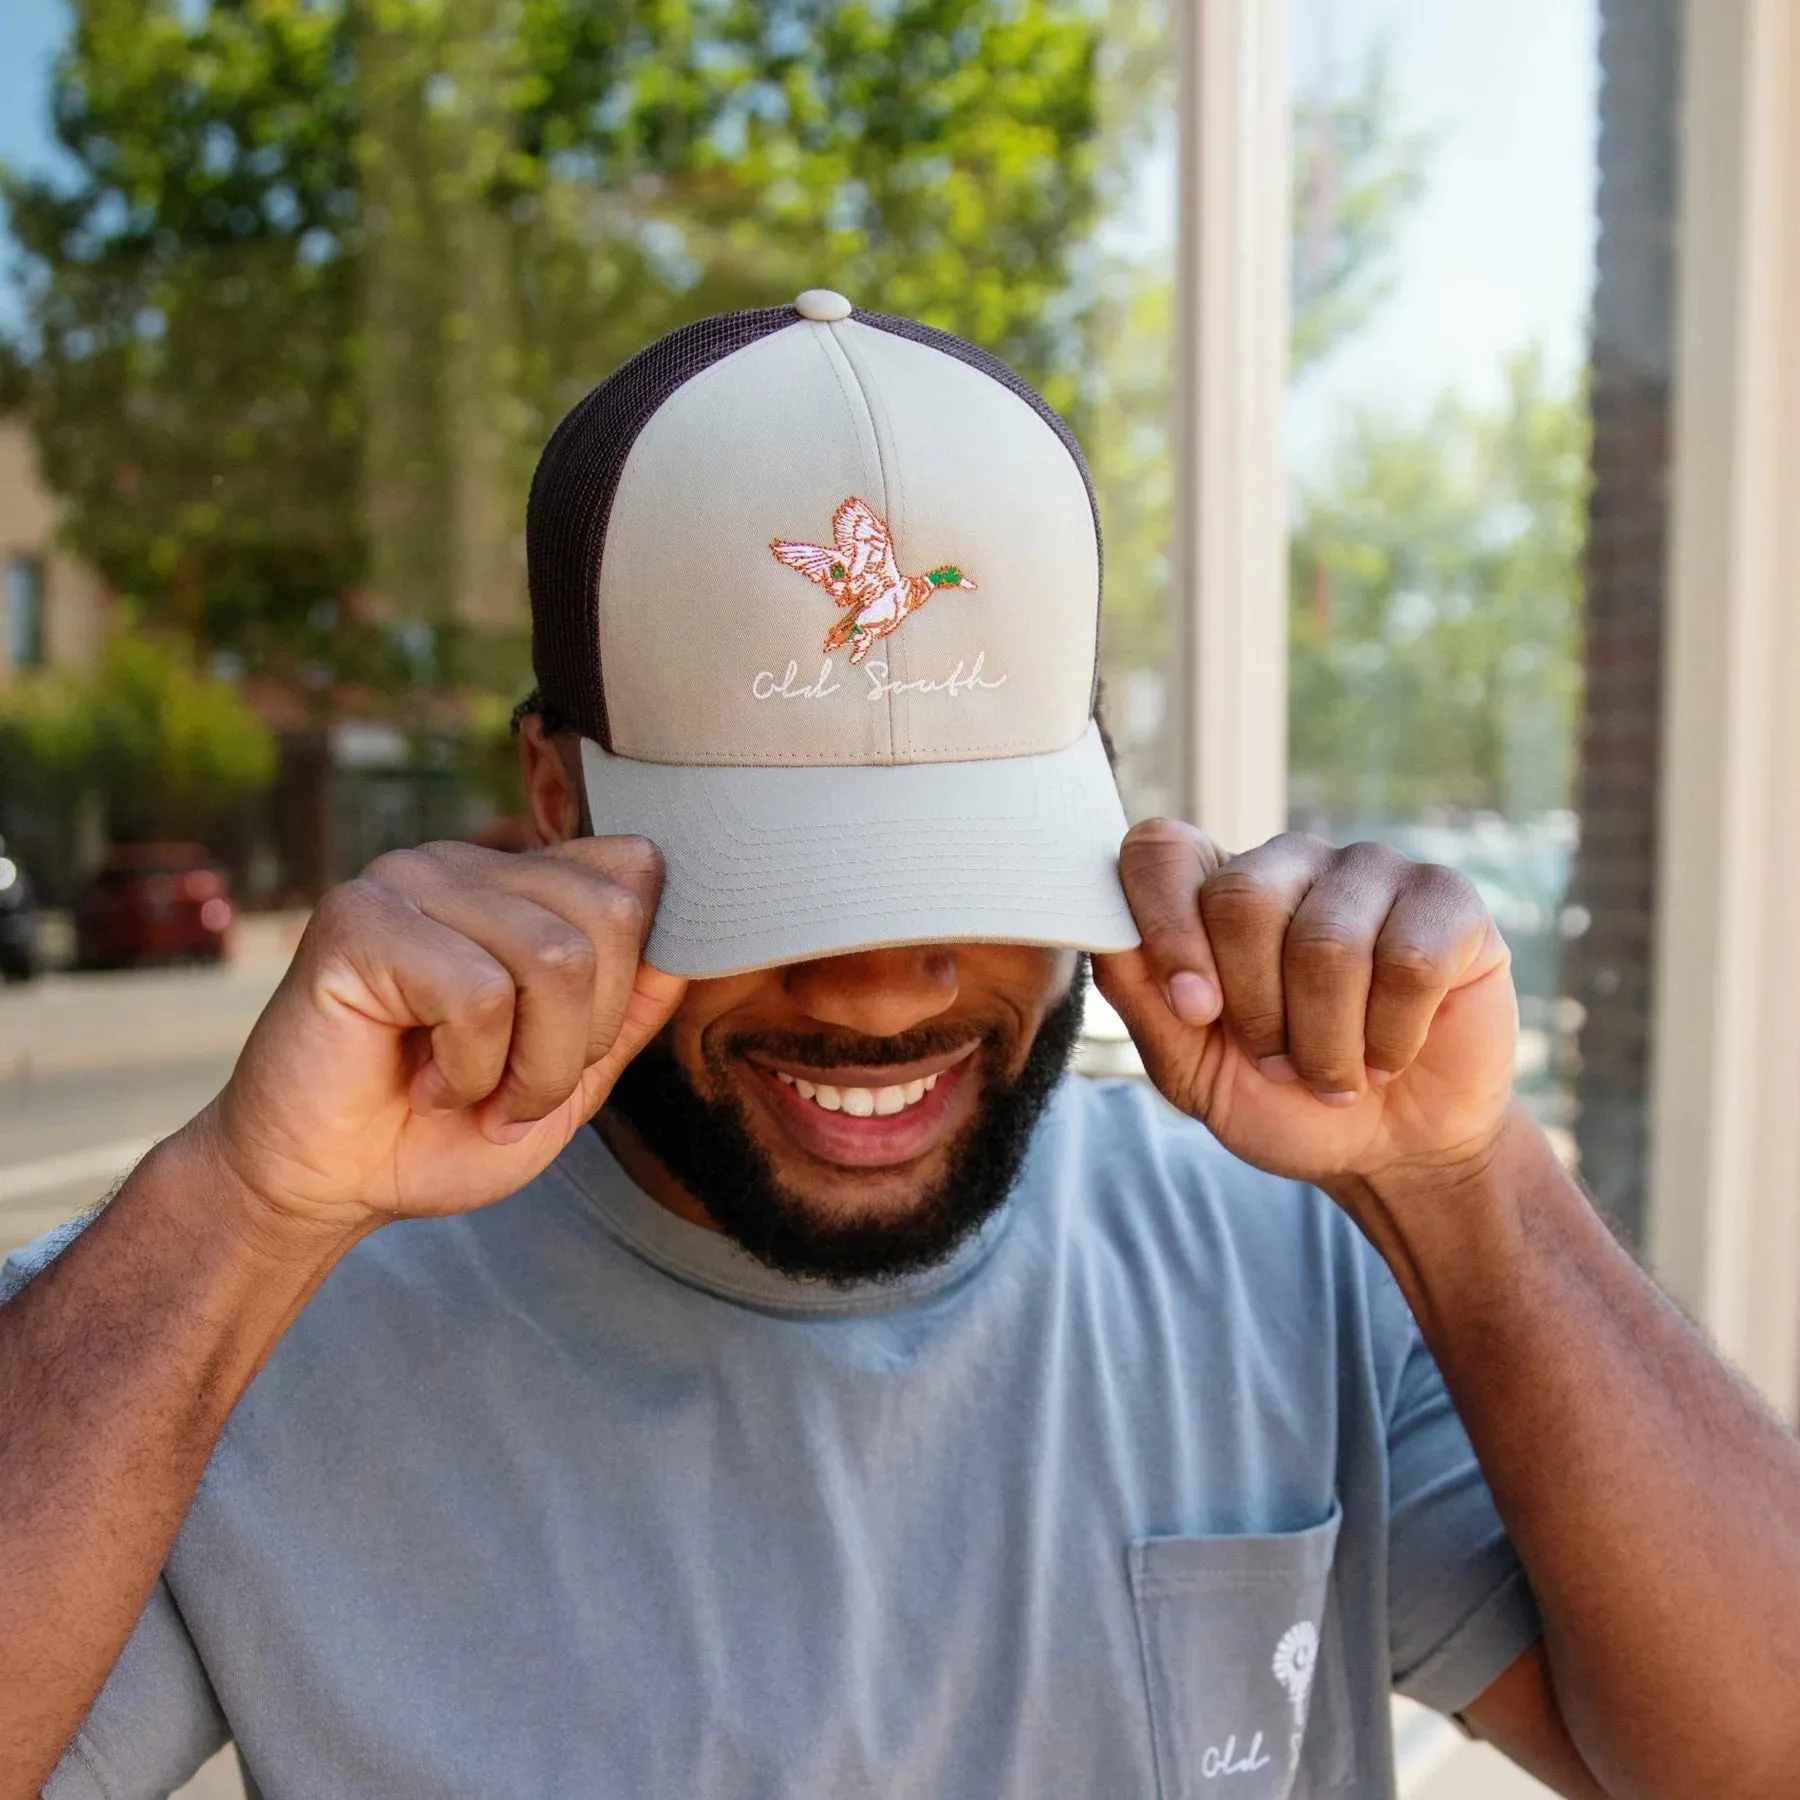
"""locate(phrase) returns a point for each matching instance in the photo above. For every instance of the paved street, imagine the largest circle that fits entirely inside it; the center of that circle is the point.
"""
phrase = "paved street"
(95, 1068)
(64, 1139)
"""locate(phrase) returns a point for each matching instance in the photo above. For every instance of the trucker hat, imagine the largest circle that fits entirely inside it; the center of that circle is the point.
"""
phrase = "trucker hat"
(820, 589)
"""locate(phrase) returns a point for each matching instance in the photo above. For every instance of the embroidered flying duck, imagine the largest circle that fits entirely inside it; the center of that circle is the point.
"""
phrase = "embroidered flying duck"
(859, 572)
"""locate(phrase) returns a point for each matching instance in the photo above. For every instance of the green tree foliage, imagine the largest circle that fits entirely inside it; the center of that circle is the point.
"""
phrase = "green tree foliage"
(1355, 177)
(186, 374)
(1436, 609)
(331, 269)
(163, 749)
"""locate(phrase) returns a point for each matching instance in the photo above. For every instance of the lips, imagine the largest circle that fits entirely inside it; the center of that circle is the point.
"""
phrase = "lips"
(867, 1117)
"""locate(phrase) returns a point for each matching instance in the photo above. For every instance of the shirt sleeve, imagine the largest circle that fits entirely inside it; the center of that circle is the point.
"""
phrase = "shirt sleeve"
(156, 1721)
(1460, 1609)
(157, 1718)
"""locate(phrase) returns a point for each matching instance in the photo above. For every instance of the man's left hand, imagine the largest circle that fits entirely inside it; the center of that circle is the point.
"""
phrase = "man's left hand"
(1324, 1012)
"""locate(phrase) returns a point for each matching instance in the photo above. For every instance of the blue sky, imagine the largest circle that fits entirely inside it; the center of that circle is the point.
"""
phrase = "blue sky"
(30, 31)
(1497, 254)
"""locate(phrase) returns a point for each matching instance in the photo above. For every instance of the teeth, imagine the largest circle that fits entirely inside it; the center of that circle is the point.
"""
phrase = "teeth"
(859, 1102)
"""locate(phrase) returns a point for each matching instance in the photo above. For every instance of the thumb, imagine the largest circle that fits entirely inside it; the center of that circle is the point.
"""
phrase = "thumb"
(1131, 985)
(654, 998)
(1167, 990)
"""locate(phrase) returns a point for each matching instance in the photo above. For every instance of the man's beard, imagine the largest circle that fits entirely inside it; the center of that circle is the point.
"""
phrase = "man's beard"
(708, 1147)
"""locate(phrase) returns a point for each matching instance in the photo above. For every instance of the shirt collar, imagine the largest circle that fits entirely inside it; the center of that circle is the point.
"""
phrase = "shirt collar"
(716, 1264)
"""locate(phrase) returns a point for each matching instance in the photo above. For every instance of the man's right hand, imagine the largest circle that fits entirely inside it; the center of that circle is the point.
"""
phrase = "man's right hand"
(451, 1018)
(449, 1022)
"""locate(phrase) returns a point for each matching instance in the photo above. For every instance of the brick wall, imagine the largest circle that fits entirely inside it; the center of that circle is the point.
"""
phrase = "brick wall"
(1609, 969)
(75, 598)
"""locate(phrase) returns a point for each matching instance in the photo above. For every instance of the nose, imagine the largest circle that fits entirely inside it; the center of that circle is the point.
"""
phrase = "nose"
(876, 993)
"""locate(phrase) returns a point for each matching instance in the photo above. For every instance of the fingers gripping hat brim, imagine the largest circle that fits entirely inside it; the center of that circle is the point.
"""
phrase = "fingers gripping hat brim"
(771, 866)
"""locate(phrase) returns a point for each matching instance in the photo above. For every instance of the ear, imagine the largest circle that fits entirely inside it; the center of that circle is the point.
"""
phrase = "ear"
(552, 770)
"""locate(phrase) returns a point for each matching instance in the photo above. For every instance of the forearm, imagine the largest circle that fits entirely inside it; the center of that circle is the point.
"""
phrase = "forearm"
(1650, 1496)
(118, 1368)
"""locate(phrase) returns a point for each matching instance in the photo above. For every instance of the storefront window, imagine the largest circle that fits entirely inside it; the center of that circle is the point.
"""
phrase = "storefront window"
(24, 612)
(1458, 516)
(1127, 402)
(293, 379)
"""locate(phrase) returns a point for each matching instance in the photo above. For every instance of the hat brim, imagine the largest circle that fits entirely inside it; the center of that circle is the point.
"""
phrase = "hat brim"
(776, 865)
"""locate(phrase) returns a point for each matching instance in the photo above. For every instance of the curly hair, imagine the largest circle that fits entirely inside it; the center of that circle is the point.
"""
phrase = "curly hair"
(550, 716)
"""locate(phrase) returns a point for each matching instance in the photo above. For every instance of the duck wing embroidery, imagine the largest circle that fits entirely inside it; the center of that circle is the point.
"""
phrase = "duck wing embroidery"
(828, 567)
(863, 538)
(861, 573)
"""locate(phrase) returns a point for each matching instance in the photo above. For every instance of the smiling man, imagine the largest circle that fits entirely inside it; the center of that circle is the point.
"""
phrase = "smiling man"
(652, 1317)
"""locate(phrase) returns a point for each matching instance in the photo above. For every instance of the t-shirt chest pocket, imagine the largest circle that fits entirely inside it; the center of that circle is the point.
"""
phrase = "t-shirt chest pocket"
(1237, 1665)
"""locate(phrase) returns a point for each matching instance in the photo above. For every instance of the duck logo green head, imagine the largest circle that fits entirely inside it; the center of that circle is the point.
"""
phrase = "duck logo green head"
(860, 572)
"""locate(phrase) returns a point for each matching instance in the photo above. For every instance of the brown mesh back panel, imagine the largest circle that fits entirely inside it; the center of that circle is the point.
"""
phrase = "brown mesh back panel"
(578, 475)
(572, 499)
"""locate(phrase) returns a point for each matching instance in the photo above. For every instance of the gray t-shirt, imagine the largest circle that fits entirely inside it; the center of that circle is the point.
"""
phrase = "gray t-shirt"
(1152, 1490)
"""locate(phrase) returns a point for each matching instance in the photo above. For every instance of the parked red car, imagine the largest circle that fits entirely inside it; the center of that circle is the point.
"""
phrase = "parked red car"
(153, 903)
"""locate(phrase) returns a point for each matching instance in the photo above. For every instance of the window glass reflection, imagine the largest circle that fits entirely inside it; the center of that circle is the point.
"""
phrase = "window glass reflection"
(305, 287)
(1451, 507)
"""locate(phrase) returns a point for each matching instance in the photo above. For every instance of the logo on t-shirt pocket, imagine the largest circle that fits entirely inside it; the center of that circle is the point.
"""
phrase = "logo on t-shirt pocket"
(1230, 1632)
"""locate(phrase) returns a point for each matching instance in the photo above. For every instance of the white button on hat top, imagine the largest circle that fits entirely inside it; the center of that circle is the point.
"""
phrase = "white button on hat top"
(822, 304)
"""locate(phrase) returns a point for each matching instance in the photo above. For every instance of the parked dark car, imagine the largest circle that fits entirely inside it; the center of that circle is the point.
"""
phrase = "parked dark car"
(153, 903)
(18, 919)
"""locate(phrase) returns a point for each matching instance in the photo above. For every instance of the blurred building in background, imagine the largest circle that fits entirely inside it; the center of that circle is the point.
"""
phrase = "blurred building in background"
(328, 800)
(53, 608)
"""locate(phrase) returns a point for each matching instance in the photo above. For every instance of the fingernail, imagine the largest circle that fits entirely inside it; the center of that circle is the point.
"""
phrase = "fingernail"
(1279, 1068)
(1339, 1099)
(1379, 1077)
(511, 1132)
(1193, 999)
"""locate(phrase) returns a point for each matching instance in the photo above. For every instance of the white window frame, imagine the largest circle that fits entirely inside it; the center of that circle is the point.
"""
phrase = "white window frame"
(1724, 1203)
(1724, 1214)
(1229, 555)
